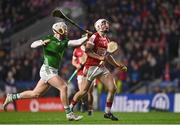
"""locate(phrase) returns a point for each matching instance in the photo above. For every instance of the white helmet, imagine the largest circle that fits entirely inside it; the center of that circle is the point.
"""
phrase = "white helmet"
(98, 24)
(59, 28)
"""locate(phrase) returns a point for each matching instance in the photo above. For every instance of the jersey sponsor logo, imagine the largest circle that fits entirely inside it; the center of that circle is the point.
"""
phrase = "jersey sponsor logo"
(161, 101)
(79, 53)
(102, 39)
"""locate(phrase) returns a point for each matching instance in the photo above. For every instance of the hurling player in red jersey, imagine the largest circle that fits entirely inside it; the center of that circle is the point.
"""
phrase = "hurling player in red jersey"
(96, 49)
(78, 60)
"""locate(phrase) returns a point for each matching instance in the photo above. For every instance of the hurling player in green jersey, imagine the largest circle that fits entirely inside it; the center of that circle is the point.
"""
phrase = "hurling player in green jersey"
(53, 50)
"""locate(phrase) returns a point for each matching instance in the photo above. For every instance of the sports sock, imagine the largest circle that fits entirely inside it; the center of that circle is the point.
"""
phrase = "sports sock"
(67, 109)
(108, 107)
(16, 96)
(73, 103)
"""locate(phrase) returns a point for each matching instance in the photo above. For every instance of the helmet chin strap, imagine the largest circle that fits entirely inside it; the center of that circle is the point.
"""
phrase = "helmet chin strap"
(106, 31)
(103, 33)
(60, 33)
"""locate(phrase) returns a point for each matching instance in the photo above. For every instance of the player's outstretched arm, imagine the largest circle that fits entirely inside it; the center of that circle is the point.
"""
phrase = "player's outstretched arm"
(78, 42)
(38, 43)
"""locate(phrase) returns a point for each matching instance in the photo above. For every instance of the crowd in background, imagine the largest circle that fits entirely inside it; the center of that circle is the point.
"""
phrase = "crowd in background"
(17, 14)
(147, 32)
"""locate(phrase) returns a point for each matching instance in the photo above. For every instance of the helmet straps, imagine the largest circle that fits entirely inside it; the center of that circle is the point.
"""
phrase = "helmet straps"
(60, 31)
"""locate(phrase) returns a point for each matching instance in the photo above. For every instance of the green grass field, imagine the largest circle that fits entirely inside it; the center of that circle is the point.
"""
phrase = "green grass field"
(97, 118)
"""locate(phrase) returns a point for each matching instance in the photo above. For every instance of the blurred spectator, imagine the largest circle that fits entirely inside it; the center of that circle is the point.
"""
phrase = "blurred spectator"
(147, 32)
(17, 14)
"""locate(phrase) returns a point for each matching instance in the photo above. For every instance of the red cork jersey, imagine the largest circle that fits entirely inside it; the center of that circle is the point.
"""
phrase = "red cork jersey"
(100, 47)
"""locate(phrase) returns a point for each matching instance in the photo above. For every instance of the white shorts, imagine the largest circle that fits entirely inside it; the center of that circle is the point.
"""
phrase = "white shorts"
(102, 70)
(80, 78)
(47, 72)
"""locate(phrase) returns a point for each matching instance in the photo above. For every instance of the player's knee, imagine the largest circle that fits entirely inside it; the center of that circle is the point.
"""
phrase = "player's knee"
(112, 89)
(64, 87)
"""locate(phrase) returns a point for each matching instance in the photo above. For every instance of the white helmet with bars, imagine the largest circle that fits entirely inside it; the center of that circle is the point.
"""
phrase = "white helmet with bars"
(59, 27)
(98, 24)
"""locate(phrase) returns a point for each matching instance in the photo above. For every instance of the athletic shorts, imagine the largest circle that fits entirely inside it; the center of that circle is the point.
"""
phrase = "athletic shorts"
(80, 78)
(102, 70)
(47, 72)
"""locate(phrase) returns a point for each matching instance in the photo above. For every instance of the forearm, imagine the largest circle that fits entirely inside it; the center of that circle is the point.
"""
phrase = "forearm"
(90, 52)
(37, 43)
(77, 42)
(93, 55)
(75, 64)
(112, 61)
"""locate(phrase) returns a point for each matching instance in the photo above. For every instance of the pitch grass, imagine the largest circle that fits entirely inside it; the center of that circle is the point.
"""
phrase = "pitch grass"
(97, 118)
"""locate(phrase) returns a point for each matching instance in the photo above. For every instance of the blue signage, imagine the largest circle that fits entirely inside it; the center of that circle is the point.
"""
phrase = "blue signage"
(140, 103)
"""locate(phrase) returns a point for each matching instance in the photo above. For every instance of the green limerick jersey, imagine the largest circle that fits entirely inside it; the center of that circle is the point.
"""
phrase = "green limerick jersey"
(54, 51)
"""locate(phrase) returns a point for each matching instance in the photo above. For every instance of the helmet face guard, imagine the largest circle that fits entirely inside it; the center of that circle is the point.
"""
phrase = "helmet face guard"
(102, 25)
(60, 28)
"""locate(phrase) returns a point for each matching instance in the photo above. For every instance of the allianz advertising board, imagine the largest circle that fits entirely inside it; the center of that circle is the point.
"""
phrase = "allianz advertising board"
(140, 103)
